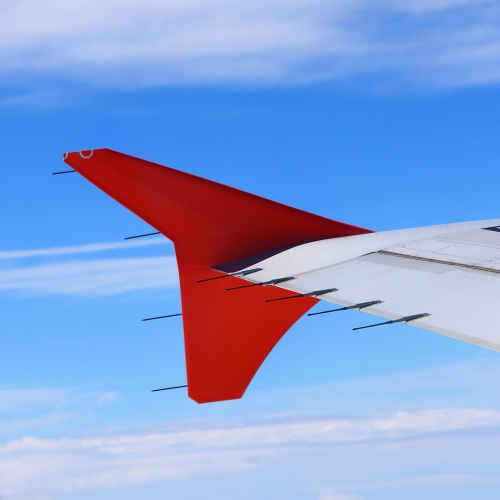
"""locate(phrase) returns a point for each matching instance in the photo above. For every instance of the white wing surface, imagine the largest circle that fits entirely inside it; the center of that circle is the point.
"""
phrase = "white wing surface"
(451, 272)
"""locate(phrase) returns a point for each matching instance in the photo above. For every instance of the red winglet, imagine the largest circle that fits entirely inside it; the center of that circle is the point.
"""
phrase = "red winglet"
(227, 335)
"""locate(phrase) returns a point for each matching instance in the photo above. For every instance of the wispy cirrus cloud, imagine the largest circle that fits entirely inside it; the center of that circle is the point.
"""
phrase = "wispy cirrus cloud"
(15, 400)
(135, 44)
(104, 276)
(338, 496)
(12, 400)
(98, 277)
(32, 409)
(80, 249)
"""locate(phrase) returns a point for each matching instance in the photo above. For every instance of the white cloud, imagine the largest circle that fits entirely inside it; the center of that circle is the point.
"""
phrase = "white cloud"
(90, 277)
(339, 496)
(21, 399)
(349, 457)
(134, 43)
(32, 466)
(98, 277)
(109, 397)
(18, 400)
(79, 249)
(23, 410)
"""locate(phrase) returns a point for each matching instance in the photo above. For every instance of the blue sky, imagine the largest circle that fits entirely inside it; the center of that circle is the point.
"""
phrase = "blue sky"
(382, 116)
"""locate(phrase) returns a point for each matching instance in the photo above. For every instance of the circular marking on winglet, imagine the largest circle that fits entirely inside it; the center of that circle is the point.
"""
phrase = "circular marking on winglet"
(87, 157)
(65, 155)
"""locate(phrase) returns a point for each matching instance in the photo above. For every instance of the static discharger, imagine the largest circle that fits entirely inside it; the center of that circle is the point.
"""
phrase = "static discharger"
(265, 283)
(170, 388)
(406, 319)
(64, 172)
(238, 274)
(161, 317)
(141, 236)
(317, 293)
(360, 306)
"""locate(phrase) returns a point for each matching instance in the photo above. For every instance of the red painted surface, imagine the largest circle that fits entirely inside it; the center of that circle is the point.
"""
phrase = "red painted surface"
(227, 334)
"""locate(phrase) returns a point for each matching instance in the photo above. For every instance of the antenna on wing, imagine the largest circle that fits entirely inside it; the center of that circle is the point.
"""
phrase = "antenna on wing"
(317, 293)
(141, 236)
(265, 283)
(161, 317)
(170, 388)
(406, 319)
(359, 306)
(239, 274)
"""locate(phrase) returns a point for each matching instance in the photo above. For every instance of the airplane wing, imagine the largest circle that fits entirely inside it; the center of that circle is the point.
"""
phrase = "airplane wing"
(226, 336)
(440, 278)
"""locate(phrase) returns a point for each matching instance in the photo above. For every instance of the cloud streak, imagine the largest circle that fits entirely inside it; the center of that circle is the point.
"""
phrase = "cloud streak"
(86, 277)
(47, 466)
(80, 249)
(273, 42)
(23, 410)
(98, 277)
